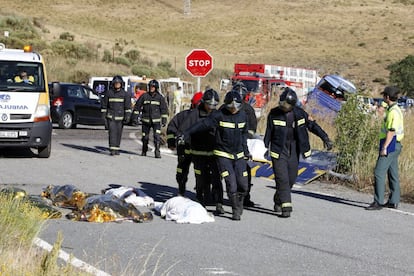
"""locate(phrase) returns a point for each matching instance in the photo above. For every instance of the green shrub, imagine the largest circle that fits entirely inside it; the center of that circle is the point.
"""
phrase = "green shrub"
(122, 60)
(67, 36)
(356, 139)
(133, 55)
(107, 56)
(70, 49)
(402, 74)
(140, 70)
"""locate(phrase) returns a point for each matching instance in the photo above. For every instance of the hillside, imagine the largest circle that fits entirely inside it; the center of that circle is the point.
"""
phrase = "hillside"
(356, 39)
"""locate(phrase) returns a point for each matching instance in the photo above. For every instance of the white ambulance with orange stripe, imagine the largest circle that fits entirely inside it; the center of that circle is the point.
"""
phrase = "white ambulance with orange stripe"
(24, 101)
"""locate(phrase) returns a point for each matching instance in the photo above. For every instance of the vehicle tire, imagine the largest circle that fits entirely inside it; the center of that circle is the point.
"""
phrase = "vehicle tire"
(44, 152)
(66, 121)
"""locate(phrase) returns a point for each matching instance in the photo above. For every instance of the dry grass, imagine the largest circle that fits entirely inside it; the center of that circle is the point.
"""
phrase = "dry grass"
(357, 39)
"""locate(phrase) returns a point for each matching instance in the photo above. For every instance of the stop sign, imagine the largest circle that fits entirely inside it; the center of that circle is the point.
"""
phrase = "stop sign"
(199, 63)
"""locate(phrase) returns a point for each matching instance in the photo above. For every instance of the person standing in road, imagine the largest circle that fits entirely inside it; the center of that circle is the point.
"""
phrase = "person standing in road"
(230, 148)
(391, 135)
(154, 114)
(252, 127)
(287, 137)
(116, 110)
(208, 181)
(178, 94)
(183, 151)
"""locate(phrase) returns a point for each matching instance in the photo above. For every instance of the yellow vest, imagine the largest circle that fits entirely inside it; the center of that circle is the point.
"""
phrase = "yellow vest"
(394, 119)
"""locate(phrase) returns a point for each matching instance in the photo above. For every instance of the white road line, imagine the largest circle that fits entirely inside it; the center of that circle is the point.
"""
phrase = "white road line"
(70, 259)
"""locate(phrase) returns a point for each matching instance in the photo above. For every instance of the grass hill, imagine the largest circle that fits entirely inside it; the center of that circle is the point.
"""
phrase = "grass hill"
(354, 38)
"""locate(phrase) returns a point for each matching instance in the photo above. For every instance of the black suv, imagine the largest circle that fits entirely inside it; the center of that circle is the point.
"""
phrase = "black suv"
(72, 103)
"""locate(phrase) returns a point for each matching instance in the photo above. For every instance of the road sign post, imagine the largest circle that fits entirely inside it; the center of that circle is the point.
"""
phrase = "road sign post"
(199, 63)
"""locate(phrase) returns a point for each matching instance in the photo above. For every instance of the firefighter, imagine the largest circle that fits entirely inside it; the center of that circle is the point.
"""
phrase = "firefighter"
(230, 147)
(202, 146)
(116, 109)
(252, 127)
(183, 151)
(287, 136)
(154, 114)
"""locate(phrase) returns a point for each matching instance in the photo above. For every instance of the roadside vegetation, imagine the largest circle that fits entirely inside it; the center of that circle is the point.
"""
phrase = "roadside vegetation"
(20, 223)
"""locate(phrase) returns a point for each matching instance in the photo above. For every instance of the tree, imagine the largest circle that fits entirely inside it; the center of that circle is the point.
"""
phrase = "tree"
(402, 75)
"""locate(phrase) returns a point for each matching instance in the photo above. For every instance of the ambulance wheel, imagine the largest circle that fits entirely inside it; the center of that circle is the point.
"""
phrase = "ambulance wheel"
(44, 152)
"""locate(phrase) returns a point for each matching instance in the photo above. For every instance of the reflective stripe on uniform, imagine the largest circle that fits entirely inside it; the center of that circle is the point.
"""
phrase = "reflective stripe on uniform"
(197, 172)
(279, 123)
(202, 153)
(227, 124)
(245, 173)
(286, 204)
(228, 155)
(301, 121)
(274, 155)
(308, 153)
(241, 125)
(179, 170)
(116, 100)
(224, 174)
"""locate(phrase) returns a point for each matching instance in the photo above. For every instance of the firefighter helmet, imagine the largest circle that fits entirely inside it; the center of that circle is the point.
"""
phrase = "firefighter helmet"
(240, 88)
(288, 99)
(233, 101)
(196, 99)
(210, 97)
(154, 83)
(117, 79)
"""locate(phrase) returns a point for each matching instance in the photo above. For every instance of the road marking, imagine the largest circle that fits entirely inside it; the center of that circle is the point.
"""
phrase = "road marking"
(218, 271)
(68, 258)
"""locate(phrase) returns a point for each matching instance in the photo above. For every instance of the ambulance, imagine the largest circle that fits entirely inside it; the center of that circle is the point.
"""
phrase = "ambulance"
(24, 101)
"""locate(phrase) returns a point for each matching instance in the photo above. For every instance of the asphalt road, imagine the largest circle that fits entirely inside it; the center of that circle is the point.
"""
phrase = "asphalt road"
(329, 232)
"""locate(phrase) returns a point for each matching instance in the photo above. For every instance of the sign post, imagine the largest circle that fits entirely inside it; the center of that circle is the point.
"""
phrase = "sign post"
(199, 63)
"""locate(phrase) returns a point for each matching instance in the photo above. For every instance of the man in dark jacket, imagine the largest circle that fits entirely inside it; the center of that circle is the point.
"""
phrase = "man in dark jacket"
(202, 145)
(116, 109)
(287, 137)
(252, 127)
(230, 147)
(183, 151)
(154, 114)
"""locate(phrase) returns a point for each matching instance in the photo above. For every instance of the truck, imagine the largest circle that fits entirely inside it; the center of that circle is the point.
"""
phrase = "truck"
(24, 103)
(262, 80)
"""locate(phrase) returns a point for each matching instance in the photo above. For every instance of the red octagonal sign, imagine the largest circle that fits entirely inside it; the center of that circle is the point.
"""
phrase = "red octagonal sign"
(199, 63)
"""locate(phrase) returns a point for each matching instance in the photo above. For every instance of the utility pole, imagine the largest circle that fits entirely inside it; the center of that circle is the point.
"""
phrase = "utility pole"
(187, 7)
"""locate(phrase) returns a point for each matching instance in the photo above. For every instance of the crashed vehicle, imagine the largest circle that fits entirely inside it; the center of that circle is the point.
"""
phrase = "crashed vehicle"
(329, 94)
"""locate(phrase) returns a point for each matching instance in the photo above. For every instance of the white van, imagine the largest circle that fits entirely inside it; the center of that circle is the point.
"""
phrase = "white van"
(24, 101)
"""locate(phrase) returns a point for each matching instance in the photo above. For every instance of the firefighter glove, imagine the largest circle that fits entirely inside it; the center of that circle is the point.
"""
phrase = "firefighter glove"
(163, 121)
(181, 140)
(248, 156)
(127, 118)
(328, 144)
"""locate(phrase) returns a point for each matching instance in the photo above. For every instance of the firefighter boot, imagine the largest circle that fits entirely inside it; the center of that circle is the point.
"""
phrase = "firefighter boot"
(219, 209)
(157, 150)
(241, 202)
(181, 188)
(144, 149)
(235, 206)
